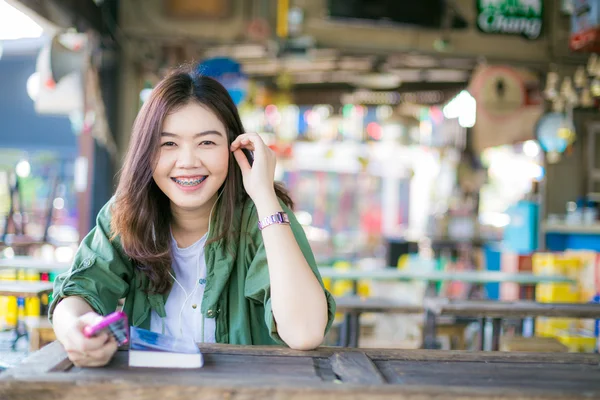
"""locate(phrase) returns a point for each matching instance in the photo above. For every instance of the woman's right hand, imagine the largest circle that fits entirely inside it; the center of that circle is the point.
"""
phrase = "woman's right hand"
(88, 352)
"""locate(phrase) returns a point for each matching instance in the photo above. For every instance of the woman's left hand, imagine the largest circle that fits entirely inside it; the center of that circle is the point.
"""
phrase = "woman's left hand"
(260, 176)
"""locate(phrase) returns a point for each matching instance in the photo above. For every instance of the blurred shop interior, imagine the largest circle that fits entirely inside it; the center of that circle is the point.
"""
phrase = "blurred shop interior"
(432, 136)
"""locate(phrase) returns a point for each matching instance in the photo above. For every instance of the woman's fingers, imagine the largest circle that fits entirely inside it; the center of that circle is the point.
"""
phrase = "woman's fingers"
(242, 161)
(250, 141)
(108, 349)
(78, 342)
(94, 358)
(95, 351)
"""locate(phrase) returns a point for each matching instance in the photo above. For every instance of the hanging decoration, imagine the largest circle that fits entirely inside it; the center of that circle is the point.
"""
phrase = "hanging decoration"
(229, 73)
(582, 90)
(555, 131)
(585, 25)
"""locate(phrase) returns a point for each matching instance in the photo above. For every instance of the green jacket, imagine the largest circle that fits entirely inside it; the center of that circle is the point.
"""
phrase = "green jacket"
(237, 290)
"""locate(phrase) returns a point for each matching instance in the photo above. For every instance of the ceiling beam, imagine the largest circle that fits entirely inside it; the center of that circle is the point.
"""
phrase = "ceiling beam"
(80, 14)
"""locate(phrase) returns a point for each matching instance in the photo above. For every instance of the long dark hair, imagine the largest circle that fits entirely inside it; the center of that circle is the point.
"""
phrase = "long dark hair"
(138, 214)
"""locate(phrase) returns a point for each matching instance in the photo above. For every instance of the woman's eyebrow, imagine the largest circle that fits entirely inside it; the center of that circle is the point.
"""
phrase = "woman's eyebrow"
(197, 135)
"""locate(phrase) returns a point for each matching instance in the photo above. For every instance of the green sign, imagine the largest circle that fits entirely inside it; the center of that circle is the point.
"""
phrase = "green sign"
(511, 17)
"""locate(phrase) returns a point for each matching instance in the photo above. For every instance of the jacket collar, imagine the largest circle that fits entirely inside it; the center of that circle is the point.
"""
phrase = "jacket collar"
(220, 262)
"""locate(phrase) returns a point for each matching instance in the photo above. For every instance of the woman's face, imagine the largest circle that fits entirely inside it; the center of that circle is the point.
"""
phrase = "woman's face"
(193, 158)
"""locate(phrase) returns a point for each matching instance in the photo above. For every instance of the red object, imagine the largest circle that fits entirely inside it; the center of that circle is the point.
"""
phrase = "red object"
(283, 150)
(50, 84)
(587, 40)
(374, 130)
(44, 277)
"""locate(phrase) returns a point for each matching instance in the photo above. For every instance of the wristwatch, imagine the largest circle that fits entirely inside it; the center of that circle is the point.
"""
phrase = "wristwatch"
(277, 218)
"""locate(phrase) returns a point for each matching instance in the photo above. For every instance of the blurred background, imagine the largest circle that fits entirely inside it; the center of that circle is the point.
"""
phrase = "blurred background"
(438, 136)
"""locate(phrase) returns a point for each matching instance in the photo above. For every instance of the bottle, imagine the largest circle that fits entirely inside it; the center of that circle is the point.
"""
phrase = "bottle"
(596, 300)
(590, 214)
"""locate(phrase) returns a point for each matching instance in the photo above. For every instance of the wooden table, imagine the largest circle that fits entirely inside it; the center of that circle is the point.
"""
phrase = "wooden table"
(261, 372)
(354, 306)
(33, 264)
(480, 277)
(497, 310)
(25, 288)
(350, 329)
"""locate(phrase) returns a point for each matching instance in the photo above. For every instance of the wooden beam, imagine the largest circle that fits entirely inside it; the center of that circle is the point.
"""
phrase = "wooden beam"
(375, 304)
(507, 309)
(24, 288)
(81, 14)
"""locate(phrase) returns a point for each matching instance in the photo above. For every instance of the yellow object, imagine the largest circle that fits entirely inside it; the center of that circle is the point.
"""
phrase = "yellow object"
(587, 272)
(327, 284)
(402, 261)
(342, 265)
(561, 264)
(551, 327)
(8, 304)
(566, 134)
(557, 293)
(341, 287)
(364, 288)
(532, 344)
(283, 7)
(32, 304)
(21, 275)
(577, 342)
(569, 265)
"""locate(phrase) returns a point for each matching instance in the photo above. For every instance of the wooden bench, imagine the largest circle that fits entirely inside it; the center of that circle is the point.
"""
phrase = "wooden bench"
(532, 344)
(498, 310)
(33, 264)
(26, 289)
(41, 334)
(354, 306)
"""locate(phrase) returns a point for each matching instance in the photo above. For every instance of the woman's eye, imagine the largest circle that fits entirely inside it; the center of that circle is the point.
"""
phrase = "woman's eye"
(168, 144)
(207, 143)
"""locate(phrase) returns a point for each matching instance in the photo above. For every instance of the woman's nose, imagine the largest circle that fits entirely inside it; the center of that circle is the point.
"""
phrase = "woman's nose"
(187, 157)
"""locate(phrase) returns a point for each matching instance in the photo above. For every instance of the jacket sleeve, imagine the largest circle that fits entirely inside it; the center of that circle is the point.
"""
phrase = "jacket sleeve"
(258, 284)
(100, 273)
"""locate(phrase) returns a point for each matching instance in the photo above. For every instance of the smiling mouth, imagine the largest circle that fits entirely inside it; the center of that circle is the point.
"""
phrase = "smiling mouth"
(189, 182)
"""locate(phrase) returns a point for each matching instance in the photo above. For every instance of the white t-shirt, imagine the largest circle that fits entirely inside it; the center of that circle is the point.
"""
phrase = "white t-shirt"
(184, 318)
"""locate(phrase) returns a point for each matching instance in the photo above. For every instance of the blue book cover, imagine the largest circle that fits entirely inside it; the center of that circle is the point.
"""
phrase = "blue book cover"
(142, 339)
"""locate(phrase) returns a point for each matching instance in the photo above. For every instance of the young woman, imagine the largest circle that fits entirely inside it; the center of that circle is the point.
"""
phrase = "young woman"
(198, 239)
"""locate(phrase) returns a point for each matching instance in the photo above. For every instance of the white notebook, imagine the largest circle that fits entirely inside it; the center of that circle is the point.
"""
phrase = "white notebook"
(151, 349)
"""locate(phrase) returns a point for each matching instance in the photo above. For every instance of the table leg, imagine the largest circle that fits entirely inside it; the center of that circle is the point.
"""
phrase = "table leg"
(21, 328)
(526, 327)
(481, 334)
(430, 331)
(354, 330)
(344, 331)
(496, 328)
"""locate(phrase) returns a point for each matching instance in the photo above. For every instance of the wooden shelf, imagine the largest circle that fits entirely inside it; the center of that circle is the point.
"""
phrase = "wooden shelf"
(593, 229)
